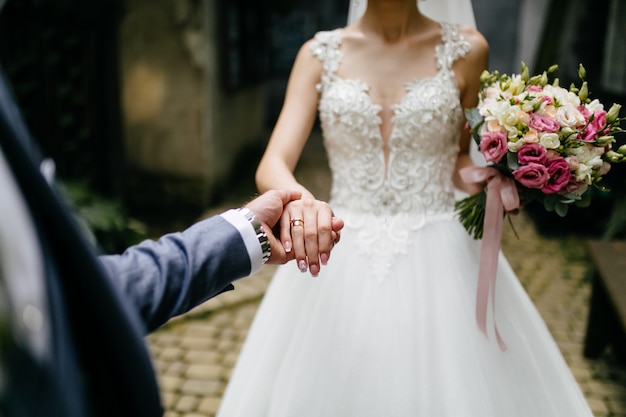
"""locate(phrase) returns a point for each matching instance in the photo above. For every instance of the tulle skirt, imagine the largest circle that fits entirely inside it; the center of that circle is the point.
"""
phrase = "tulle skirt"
(351, 343)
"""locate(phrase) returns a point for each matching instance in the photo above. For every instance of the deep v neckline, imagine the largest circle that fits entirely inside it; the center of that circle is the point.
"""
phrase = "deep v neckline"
(347, 102)
(386, 144)
(409, 86)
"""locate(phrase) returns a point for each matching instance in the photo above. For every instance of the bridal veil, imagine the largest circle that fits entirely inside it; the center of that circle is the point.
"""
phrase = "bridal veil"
(451, 11)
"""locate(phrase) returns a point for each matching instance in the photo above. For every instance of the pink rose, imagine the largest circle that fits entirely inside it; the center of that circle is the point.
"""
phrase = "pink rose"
(543, 124)
(531, 152)
(596, 127)
(534, 88)
(493, 145)
(559, 176)
(533, 175)
(599, 121)
(588, 134)
(585, 111)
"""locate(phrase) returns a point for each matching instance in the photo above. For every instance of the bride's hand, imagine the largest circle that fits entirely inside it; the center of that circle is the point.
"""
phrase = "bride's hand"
(310, 230)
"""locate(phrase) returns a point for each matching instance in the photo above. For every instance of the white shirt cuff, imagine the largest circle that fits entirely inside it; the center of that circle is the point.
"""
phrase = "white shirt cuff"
(246, 230)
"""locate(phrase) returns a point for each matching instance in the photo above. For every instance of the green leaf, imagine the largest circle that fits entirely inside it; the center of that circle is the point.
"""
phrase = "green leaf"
(477, 138)
(561, 209)
(511, 160)
(584, 201)
(474, 118)
(549, 202)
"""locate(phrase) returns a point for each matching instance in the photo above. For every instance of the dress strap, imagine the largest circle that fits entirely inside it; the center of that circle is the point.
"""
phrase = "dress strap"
(325, 47)
(454, 46)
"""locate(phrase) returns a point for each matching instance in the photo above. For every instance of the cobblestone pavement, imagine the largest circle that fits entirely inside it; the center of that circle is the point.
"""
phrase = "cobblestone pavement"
(194, 354)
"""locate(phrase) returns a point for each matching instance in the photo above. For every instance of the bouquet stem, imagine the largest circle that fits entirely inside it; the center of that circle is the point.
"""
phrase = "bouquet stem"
(471, 212)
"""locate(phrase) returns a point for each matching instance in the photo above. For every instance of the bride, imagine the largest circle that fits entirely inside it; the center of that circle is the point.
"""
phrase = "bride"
(388, 328)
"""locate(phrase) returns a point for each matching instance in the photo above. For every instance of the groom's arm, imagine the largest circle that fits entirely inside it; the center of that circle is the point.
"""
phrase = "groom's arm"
(168, 277)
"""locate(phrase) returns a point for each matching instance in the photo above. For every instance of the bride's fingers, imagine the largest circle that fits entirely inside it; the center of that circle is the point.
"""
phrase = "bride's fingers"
(311, 240)
(336, 225)
(296, 228)
(326, 236)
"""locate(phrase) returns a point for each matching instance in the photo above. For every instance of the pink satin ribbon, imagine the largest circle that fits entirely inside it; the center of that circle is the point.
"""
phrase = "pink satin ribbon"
(501, 195)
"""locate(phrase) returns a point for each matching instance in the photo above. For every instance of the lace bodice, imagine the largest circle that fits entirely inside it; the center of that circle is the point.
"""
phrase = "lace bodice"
(422, 145)
(416, 179)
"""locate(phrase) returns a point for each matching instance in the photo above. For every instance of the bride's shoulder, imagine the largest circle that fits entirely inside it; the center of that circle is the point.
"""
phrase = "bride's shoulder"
(324, 42)
(474, 61)
(327, 36)
(318, 48)
(477, 42)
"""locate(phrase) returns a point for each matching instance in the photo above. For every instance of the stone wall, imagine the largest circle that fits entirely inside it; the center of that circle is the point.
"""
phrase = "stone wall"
(182, 130)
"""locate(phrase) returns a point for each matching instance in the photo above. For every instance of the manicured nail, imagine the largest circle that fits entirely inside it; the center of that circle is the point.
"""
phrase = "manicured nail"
(324, 258)
(315, 270)
(302, 265)
(287, 246)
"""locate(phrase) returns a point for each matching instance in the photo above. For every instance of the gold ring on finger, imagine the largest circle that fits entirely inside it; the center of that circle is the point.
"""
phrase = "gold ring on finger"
(296, 222)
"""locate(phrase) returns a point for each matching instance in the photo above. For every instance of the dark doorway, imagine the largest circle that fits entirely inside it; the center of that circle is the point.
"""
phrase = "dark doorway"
(61, 59)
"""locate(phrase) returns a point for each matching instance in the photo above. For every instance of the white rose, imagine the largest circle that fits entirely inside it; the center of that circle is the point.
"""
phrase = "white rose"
(595, 161)
(569, 116)
(486, 105)
(514, 146)
(583, 174)
(494, 108)
(511, 131)
(549, 140)
(594, 106)
(562, 96)
(583, 153)
(509, 117)
(570, 98)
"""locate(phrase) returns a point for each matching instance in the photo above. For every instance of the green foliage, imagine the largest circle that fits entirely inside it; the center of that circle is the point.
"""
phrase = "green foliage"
(474, 119)
(471, 213)
(104, 220)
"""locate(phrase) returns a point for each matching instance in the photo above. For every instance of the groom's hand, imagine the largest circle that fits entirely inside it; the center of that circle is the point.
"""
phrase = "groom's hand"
(269, 208)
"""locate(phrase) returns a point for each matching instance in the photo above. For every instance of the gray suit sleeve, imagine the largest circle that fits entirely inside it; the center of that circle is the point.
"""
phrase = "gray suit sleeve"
(166, 278)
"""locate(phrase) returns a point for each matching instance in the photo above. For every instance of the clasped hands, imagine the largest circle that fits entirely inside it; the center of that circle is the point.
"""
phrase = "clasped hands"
(302, 229)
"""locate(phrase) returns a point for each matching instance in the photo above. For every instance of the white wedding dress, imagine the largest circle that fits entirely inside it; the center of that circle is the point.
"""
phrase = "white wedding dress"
(388, 328)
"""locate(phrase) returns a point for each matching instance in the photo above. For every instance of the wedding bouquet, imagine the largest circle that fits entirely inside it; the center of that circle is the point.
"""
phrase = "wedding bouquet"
(551, 143)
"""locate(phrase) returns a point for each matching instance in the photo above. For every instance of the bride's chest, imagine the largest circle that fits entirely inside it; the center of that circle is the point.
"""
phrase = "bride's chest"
(429, 105)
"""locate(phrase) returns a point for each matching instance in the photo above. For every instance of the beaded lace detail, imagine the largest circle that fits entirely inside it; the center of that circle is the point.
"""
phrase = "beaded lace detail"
(386, 199)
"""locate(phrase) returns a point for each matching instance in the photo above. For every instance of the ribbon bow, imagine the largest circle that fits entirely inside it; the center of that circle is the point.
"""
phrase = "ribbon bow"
(501, 195)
